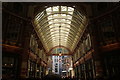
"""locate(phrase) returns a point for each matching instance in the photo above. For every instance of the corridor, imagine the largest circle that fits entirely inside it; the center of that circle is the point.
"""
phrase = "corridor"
(60, 41)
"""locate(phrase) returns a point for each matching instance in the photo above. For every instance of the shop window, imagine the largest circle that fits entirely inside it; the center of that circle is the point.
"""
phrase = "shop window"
(107, 29)
(108, 34)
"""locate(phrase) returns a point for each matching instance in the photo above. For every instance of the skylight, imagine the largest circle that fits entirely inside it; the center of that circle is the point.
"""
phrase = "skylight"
(59, 26)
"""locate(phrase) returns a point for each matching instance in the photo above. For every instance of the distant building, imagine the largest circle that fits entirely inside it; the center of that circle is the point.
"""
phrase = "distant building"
(61, 65)
(57, 64)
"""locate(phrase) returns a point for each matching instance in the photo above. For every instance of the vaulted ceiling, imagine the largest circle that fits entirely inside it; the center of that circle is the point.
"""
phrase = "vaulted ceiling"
(59, 26)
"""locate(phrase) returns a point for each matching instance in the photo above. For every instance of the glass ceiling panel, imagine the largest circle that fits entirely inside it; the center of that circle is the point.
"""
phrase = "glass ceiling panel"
(57, 39)
(68, 38)
(76, 17)
(71, 34)
(59, 26)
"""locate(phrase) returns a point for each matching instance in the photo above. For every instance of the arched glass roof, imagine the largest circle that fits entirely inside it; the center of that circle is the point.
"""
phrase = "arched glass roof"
(59, 26)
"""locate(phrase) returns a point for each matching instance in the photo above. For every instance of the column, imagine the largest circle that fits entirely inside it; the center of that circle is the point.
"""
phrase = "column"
(25, 52)
(97, 53)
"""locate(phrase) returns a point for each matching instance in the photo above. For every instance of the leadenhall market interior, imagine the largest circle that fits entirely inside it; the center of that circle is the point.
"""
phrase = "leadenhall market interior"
(80, 40)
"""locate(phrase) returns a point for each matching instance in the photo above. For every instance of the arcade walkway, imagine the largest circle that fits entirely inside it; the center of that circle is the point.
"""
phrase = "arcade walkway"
(80, 41)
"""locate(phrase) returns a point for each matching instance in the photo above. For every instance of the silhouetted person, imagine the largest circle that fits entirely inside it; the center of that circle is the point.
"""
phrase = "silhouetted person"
(52, 77)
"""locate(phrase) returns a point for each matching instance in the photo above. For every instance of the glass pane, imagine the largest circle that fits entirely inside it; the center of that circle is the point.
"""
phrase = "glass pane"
(70, 13)
(56, 8)
(49, 9)
(63, 15)
(63, 8)
(70, 9)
